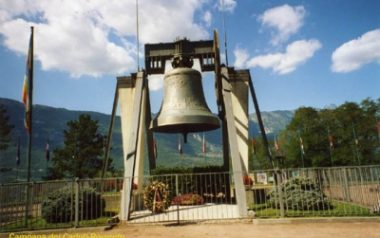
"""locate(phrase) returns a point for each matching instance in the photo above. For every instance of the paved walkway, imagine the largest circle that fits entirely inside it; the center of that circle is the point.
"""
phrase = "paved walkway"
(208, 211)
(240, 229)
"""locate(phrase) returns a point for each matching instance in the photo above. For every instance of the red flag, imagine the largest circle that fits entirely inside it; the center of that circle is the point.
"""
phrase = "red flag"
(203, 144)
(27, 89)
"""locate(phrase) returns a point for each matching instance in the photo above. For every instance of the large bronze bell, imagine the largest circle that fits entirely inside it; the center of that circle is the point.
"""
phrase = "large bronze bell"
(184, 108)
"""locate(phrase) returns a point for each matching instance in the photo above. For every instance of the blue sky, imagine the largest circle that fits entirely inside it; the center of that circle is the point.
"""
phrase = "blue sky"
(300, 53)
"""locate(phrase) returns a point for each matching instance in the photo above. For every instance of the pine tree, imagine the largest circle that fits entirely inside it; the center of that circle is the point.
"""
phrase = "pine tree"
(82, 153)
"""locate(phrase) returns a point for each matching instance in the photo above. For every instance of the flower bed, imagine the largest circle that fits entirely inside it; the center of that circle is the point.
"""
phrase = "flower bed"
(188, 199)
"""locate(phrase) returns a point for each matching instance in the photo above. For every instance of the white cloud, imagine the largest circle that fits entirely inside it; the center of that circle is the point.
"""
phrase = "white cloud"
(156, 82)
(226, 5)
(241, 57)
(296, 54)
(285, 20)
(355, 53)
(207, 18)
(93, 38)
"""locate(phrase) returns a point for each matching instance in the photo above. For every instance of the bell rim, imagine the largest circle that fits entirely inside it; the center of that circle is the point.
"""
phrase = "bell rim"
(185, 124)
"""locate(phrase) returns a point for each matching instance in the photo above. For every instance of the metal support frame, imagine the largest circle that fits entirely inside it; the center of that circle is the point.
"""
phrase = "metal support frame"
(208, 54)
(149, 133)
(110, 129)
(260, 121)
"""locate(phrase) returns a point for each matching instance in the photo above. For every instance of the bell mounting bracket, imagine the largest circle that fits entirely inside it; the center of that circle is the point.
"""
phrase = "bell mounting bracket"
(181, 52)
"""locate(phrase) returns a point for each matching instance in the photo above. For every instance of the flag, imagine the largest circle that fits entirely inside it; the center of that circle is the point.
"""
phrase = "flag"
(27, 89)
(254, 146)
(301, 145)
(378, 128)
(331, 142)
(47, 151)
(203, 144)
(180, 145)
(18, 152)
(154, 148)
(276, 144)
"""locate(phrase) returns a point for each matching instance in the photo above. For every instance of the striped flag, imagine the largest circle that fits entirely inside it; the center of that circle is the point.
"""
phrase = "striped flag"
(203, 144)
(47, 151)
(18, 152)
(27, 89)
(301, 145)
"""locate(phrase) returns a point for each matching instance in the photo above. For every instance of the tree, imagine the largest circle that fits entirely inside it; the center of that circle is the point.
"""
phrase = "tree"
(5, 128)
(308, 127)
(343, 136)
(81, 155)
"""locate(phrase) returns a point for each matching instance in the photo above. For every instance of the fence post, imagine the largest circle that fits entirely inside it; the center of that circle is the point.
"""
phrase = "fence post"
(278, 182)
(176, 185)
(27, 203)
(176, 191)
(76, 207)
(346, 186)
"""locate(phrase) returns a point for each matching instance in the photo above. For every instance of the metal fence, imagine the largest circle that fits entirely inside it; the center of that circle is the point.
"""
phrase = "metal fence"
(346, 191)
(58, 204)
(202, 196)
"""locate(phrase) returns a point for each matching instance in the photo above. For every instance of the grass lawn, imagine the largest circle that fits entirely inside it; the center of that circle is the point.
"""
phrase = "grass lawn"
(338, 209)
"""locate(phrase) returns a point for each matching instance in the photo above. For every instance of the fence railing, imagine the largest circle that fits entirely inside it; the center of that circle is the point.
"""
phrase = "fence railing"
(193, 197)
(346, 191)
(343, 191)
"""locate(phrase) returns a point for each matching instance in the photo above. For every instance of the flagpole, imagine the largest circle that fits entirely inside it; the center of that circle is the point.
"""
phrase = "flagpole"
(18, 157)
(356, 144)
(29, 120)
(30, 74)
(302, 149)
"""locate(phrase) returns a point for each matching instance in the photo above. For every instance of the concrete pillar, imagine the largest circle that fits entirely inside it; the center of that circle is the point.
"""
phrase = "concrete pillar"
(127, 94)
(239, 96)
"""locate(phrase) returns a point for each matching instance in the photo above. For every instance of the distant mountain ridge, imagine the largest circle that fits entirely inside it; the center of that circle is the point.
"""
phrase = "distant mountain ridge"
(49, 124)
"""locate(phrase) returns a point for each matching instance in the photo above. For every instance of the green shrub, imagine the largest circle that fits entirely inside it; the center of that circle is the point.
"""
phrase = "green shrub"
(300, 194)
(59, 205)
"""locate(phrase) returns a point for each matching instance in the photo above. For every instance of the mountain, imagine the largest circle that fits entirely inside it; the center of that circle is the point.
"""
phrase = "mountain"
(49, 124)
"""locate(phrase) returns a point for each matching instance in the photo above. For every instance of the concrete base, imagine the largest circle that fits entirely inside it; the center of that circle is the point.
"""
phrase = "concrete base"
(188, 213)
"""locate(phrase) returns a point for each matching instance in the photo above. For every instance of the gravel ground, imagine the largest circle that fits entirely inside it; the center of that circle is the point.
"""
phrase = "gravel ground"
(240, 229)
